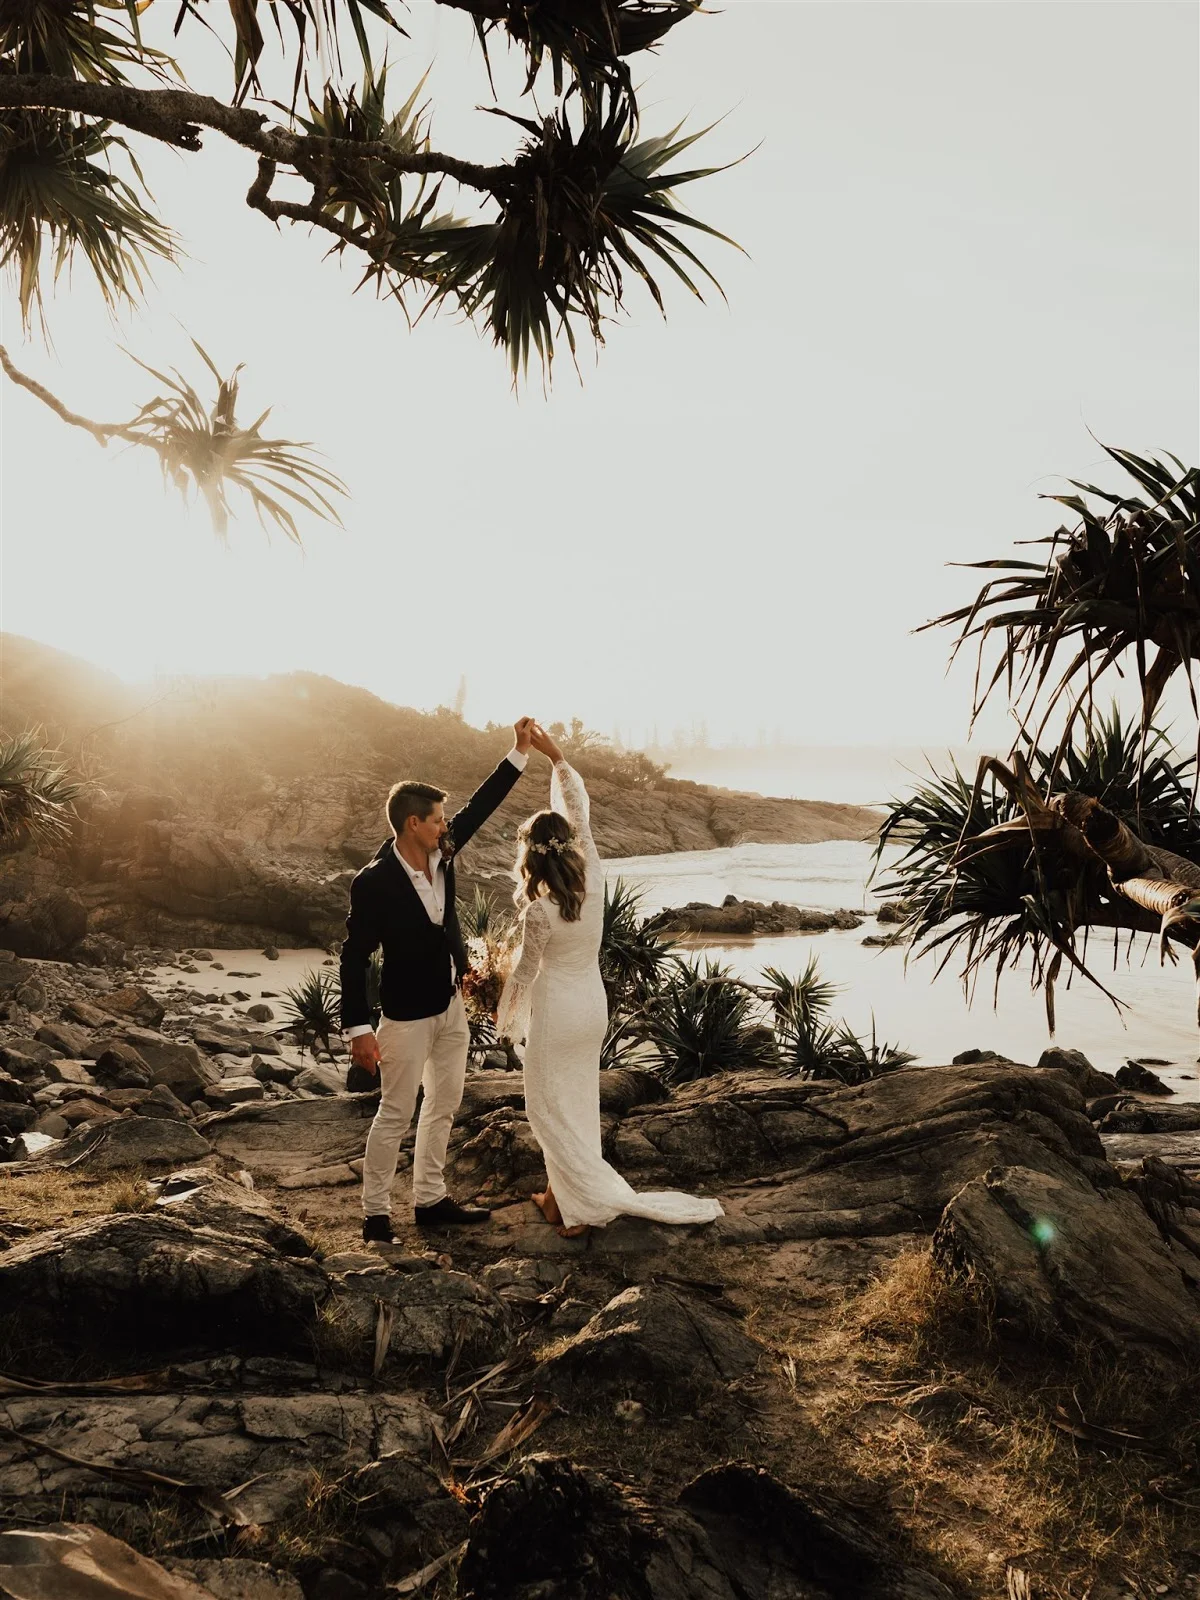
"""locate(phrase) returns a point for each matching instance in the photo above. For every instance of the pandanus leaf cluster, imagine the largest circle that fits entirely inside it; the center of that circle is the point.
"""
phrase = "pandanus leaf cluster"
(538, 250)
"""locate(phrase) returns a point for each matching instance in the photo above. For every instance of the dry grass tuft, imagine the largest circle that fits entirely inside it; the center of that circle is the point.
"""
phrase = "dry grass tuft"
(987, 1450)
(31, 1202)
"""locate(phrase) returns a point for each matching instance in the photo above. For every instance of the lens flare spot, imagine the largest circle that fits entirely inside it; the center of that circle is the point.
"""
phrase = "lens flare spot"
(1044, 1232)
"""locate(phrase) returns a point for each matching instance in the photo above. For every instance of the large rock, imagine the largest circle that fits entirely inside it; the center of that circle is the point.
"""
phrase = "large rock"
(204, 1199)
(175, 1062)
(266, 1445)
(44, 924)
(148, 1281)
(137, 1004)
(66, 1039)
(1065, 1261)
(129, 1141)
(431, 1315)
(281, 1136)
(1080, 1070)
(821, 1160)
(654, 1344)
(553, 1528)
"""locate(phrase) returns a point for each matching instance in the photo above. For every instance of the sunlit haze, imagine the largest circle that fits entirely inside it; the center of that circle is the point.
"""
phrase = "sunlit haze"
(970, 246)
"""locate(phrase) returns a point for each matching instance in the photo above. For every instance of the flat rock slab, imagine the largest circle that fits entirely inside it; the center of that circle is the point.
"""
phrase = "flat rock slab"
(204, 1199)
(154, 1281)
(1065, 1261)
(236, 1579)
(426, 1317)
(74, 1561)
(275, 1137)
(1176, 1149)
(550, 1527)
(219, 1441)
(655, 1344)
(319, 1177)
(128, 1141)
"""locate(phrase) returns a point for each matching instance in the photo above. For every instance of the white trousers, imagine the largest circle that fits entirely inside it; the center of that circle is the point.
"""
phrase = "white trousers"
(431, 1051)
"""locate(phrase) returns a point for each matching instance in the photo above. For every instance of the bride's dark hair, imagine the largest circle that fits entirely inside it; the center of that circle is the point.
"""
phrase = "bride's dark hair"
(550, 862)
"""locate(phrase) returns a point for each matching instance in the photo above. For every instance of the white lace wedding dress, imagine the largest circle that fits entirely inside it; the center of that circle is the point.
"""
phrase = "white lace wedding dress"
(556, 989)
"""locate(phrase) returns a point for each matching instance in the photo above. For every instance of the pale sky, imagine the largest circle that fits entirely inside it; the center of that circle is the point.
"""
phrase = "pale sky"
(971, 237)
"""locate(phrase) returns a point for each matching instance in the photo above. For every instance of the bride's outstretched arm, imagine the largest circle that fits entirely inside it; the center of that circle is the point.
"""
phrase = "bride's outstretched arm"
(569, 796)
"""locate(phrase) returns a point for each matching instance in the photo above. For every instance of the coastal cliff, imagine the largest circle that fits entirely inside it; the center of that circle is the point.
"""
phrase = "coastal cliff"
(235, 811)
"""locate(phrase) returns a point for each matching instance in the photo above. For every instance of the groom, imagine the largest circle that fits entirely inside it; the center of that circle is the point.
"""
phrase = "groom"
(404, 901)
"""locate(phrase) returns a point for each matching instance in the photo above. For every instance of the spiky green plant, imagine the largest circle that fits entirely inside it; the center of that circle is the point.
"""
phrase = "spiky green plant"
(588, 39)
(809, 995)
(633, 955)
(38, 794)
(581, 206)
(1125, 578)
(203, 450)
(314, 1007)
(986, 887)
(61, 190)
(702, 1020)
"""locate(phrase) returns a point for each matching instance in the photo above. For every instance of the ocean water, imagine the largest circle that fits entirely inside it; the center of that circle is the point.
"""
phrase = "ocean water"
(905, 1003)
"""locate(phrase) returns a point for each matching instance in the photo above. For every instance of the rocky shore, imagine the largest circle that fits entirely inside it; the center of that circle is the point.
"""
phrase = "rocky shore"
(942, 1342)
(752, 918)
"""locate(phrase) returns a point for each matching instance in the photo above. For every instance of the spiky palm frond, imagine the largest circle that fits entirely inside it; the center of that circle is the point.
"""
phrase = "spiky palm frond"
(72, 39)
(581, 207)
(989, 882)
(203, 450)
(478, 917)
(1125, 577)
(38, 794)
(809, 996)
(58, 187)
(315, 25)
(633, 956)
(702, 1020)
(314, 1007)
(586, 38)
(362, 193)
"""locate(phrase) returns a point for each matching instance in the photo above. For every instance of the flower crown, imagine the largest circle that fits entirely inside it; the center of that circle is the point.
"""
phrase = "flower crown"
(552, 847)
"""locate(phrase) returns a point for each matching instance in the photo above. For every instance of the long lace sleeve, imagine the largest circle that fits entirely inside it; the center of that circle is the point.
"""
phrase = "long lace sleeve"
(568, 796)
(512, 1014)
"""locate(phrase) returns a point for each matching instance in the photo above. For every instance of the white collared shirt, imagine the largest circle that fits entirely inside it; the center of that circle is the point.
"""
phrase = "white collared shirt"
(431, 890)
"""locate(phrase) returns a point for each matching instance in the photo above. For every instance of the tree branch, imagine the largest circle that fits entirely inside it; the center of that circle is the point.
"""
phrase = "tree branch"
(102, 432)
(176, 117)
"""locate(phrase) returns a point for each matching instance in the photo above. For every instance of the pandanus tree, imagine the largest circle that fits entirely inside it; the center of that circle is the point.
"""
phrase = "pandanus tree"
(536, 249)
(1094, 828)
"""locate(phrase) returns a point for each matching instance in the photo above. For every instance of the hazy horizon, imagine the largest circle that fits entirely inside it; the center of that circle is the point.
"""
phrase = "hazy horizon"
(965, 247)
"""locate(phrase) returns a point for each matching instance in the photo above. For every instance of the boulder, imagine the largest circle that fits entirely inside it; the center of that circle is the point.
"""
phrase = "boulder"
(75, 1561)
(223, 1038)
(226, 1437)
(317, 1078)
(277, 1136)
(1065, 1261)
(655, 1344)
(159, 1102)
(66, 1039)
(174, 1062)
(204, 1199)
(85, 1109)
(138, 1005)
(1133, 1075)
(85, 1014)
(45, 925)
(432, 1314)
(261, 1012)
(146, 1280)
(121, 1066)
(78, 1072)
(129, 1141)
(552, 1527)
(278, 1071)
(1080, 1070)
(25, 1058)
(233, 1091)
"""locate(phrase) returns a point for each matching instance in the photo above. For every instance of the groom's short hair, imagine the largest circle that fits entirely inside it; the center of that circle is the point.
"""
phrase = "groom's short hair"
(410, 799)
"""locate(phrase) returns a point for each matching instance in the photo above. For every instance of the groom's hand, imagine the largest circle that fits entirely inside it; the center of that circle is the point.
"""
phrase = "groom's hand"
(364, 1052)
(523, 729)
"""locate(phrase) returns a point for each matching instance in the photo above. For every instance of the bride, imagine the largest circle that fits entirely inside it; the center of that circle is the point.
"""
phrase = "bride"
(556, 986)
